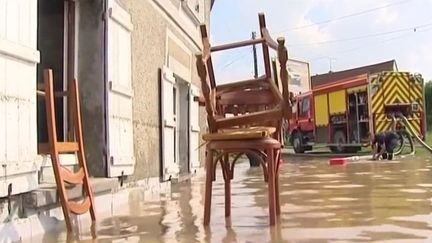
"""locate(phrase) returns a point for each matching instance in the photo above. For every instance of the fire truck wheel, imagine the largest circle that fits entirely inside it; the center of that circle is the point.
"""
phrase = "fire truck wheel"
(297, 143)
(339, 138)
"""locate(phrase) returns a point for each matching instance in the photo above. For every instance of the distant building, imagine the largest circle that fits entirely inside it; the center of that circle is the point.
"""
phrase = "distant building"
(329, 77)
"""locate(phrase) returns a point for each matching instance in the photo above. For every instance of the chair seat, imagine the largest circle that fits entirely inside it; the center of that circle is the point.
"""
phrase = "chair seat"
(240, 133)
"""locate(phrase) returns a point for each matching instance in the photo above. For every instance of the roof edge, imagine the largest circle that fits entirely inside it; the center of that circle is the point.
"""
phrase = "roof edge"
(356, 68)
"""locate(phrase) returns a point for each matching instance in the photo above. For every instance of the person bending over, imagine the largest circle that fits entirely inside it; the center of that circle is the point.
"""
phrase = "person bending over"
(384, 144)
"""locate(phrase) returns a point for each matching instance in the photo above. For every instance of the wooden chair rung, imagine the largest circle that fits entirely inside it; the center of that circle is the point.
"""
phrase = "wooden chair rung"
(72, 177)
(40, 93)
(67, 147)
(237, 44)
(62, 147)
(79, 207)
(259, 116)
(236, 85)
(57, 94)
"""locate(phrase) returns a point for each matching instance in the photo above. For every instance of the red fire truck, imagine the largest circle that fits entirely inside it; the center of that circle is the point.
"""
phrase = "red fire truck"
(340, 115)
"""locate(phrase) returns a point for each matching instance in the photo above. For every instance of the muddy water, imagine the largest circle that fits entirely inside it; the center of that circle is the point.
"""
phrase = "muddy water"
(363, 201)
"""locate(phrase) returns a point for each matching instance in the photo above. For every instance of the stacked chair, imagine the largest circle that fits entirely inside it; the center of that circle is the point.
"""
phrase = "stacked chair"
(257, 107)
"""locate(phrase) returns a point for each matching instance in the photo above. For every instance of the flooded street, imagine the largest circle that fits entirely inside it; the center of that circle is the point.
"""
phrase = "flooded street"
(362, 201)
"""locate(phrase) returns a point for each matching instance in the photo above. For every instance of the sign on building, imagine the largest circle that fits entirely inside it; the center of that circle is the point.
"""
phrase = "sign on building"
(298, 75)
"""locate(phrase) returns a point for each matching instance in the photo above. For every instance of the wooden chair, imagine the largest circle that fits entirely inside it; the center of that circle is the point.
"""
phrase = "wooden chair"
(240, 97)
(255, 130)
(62, 175)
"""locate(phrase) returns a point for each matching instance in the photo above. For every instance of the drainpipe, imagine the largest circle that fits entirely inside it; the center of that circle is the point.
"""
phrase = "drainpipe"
(9, 192)
(105, 80)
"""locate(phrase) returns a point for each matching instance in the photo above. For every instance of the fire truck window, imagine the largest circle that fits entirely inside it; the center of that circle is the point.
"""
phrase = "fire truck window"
(305, 106)
(294, 107)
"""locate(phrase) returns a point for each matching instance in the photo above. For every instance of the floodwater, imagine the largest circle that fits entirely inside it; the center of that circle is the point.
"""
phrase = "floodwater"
(360, 202)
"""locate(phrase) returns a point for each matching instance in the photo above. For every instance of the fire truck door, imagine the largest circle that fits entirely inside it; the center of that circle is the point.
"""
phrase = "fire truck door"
(305, 120)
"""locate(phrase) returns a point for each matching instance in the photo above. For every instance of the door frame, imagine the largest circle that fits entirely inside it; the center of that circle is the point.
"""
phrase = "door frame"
(166, 75)
(181, 84)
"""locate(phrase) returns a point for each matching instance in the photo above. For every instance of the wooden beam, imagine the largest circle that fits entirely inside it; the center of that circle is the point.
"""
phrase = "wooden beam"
(237, 44)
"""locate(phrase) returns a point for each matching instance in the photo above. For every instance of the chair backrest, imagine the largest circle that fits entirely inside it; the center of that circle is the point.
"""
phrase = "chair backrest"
(208, 91)
(219, 99)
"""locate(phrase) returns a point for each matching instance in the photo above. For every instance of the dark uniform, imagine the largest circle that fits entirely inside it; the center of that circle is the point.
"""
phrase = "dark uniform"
(390, 140)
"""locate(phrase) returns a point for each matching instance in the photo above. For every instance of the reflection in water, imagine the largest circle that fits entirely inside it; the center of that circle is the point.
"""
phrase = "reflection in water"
(357, 202)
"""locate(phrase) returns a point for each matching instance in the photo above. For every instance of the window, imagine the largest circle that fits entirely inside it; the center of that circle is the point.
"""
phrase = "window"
(294, 107)
(305, 107)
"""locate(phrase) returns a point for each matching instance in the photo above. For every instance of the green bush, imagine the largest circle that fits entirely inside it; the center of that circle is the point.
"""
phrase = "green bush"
(428, 100)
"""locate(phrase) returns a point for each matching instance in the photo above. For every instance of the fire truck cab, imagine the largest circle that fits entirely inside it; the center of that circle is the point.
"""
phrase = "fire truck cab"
(302, 125)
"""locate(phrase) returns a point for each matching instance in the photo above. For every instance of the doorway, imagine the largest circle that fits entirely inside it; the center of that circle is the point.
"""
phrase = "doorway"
(55, 41)
(183, 126)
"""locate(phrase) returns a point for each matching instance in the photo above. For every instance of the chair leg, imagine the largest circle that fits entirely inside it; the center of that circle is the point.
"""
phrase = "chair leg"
(208, 186)
(278, 211)
(228, 197)
(227, 178)
(271, 186)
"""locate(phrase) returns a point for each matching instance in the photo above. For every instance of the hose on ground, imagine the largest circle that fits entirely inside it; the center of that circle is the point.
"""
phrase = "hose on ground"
(413, 133)
(403, 135)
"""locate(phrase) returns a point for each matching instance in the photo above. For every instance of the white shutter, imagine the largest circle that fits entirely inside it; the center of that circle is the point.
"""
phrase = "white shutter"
(18, 59)
(170, 166)
(194, 128)
(121, 159)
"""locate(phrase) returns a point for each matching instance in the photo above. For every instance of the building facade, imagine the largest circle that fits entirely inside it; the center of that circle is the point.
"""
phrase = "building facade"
(164, 43)
(134, 61)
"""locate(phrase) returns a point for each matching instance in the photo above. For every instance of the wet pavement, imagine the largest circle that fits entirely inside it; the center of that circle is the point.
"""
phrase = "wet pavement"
(360, 202)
